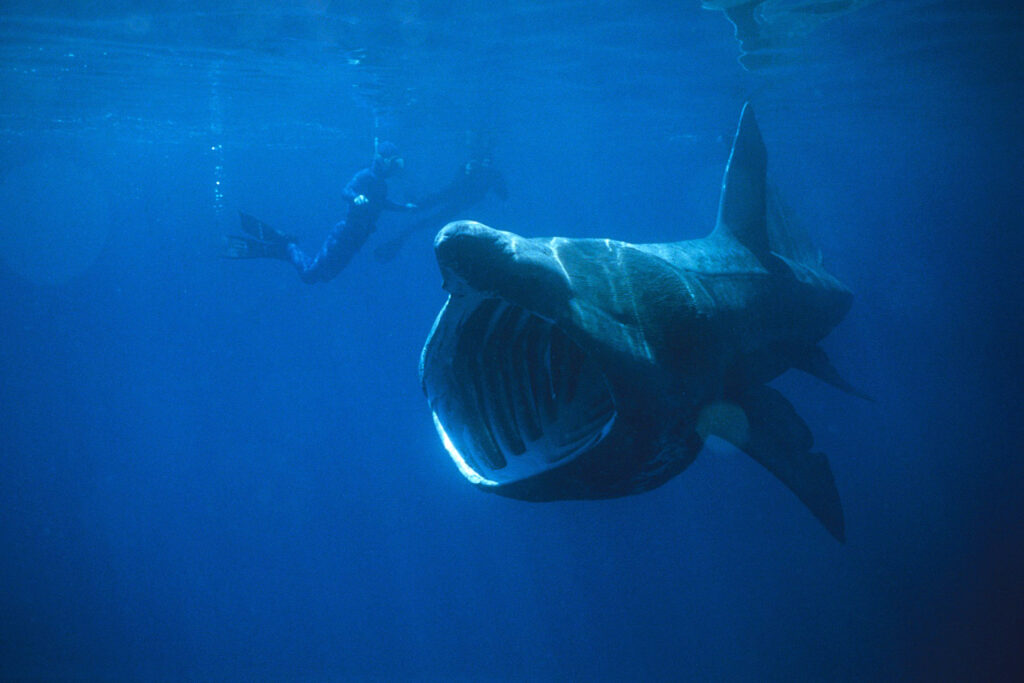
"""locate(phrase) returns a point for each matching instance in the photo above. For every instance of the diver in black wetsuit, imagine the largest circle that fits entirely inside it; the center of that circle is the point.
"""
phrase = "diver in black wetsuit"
(472, 182)
(367, 197)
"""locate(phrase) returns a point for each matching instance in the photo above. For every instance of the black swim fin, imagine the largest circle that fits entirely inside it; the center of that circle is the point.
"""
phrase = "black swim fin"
(261, 231)
(242, 247)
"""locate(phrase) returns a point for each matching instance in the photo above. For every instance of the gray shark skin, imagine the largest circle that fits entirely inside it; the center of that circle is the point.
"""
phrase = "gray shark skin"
(592, 368)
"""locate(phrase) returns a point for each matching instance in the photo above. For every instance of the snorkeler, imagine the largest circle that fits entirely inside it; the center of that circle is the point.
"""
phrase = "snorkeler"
(472, 182)
(367, 197)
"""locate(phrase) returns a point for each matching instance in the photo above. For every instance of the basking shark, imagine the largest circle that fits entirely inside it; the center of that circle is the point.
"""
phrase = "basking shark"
(592, 368)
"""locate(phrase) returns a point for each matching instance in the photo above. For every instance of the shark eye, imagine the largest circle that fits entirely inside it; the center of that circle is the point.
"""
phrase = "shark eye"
(512, 395)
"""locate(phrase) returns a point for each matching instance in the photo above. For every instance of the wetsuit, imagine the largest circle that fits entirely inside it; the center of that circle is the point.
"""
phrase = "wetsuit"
(470, 185)
(349, 234)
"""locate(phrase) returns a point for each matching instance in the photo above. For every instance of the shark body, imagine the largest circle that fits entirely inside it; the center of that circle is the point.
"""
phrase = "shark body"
(593, 368)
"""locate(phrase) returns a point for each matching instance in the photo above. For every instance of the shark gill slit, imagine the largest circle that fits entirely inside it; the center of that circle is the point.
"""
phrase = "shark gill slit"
(498, 402)
(470, 380)
(525, 385)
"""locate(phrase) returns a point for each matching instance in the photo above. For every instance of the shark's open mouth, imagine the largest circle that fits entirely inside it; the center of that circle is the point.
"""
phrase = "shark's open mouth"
(512, 395)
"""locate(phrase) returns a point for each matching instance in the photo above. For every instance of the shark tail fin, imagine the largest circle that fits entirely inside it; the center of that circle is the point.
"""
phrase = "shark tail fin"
(775, 436)
(741, 208)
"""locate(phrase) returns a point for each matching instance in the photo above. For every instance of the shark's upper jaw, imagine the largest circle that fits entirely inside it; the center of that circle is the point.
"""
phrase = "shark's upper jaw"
(477, 260)
(512, 396)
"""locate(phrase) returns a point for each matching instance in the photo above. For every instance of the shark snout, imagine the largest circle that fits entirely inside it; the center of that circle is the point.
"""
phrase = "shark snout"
(474, 258)
(470, 254)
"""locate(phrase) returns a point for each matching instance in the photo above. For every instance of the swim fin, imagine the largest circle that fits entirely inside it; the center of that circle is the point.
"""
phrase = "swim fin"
(260, 241)
(242, 247)
(261, 231)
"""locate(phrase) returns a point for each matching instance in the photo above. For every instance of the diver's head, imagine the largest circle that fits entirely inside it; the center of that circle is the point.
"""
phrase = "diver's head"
(387, 160)
(477, 164)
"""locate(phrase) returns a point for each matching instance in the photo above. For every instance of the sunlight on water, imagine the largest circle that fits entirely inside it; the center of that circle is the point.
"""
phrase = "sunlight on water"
(217, 133)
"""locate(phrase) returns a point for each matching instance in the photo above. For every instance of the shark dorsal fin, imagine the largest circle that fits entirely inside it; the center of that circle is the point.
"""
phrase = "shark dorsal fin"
(741, 209)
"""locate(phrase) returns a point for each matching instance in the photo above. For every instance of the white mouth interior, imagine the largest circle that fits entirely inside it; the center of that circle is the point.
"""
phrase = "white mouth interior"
(512, 395)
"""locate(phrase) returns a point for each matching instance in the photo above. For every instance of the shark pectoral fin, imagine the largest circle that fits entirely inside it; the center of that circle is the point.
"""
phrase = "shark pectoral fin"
(816, 363)
(777, 437)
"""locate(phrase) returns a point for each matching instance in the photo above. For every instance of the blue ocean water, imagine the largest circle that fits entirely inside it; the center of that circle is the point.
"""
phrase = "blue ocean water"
(209, 470)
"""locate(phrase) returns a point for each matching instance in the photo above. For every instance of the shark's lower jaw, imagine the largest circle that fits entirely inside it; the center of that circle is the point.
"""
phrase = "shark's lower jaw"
(512, 396)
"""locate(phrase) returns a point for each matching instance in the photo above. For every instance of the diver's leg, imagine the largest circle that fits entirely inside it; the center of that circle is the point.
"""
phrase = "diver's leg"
(302, 261)
(341, 244)
(436, 220)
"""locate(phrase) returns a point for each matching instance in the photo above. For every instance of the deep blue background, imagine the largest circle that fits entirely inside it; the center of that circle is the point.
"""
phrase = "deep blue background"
(211, 470)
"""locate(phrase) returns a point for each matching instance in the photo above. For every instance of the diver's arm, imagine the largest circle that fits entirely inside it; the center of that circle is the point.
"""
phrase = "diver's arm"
(394, 206)
(353, 192)
(499, 186)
